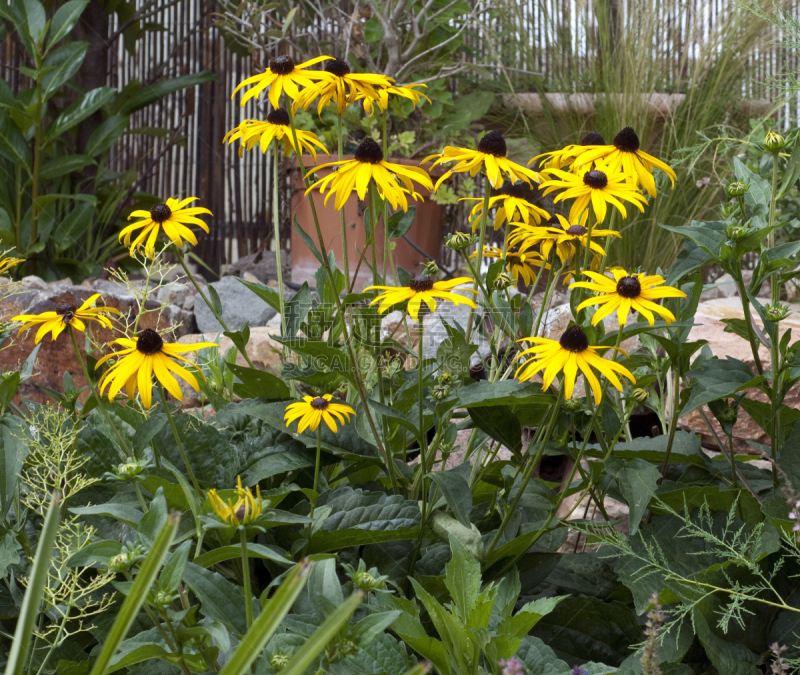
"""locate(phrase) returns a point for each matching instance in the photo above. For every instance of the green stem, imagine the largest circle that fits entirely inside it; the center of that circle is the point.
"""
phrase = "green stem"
(673, 422)
(276, 229)
(145, 293)
(342, 222)
(754, 342)
(775, 286)
(775, 403)
(487, 194)
(386, 240)
(178, 440)
(199, 290)
(248, 591)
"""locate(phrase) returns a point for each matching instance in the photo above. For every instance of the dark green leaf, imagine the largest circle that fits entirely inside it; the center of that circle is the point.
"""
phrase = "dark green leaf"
(150, 93)
(63, 62)
(638, 481)
(221, 600)
(717, 378)
(308, 242)
(258, 384)
(64, 20)
(172, 572)
(297, 309)
(266, 293)
(400, 223)
(105, 135)
(456, 493)
(500, 423)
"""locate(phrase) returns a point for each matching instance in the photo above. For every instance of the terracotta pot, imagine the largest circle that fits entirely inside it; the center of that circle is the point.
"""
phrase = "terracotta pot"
(426, 232)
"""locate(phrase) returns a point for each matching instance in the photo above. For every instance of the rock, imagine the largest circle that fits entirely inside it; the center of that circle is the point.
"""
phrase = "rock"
(188, 304)
(66, 281)
(56, 357)
(174, 294)
(260, 264)
(435, 333)
(34, 283)
(240, 306)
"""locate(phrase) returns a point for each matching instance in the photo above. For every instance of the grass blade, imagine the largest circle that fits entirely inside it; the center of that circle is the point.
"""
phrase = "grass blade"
(304, 656)
(133, 603)
(33, 596)
(268, 621)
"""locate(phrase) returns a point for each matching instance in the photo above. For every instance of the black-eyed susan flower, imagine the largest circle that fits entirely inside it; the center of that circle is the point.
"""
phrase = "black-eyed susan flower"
(562, 234)
(593, 187)
(625, 156)
(519, 264)
(172, 217)
(369, 165)
(246, 509)
(626, 292)
(407, 91)
(283, 74)
(144, 356)
(7, 263)
(66, 314)
(558, 159)
(343, 88)
(490, 155)
(254, 132)
(511, 205)
(567, 355)
(313, 410)
(421, 289)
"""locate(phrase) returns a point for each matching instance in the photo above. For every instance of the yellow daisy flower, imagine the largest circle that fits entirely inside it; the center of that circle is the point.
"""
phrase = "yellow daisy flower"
(143, 356)
(595, 187)
(7, 263)
(315, 409)
(564, 237)
(512, 206)
(252, 132)
(519, 264)
(625, 156)
(66, 314)
(408, 91)
(626, 292)
(567, 355)
(172, 217)
(343, 88)
(491, 155)
(355, 174)
(558, 159)
(421, 289)
(282, 74)
(246, 509)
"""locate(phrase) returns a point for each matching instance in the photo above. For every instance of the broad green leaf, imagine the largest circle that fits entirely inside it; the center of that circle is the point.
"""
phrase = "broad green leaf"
(731, 658)
(539, 659)
(63, 62)
(61, 166)
(13, 145)
(13, 451)
(789, 457)
(701, 234)
(144, 646)
(258, 384)
(121, 512)
(297, 309)
(106, 134)
(500, 423)
(64, 20)
(234, 551)
(717, 378)
(463, 578)
(150, 93)
(85, 106)
(172, 574)
(637, 481)
(98, 552)
(457, 493)
(528, 616)
(400, 223)
(266, 293)
(36, 20)
(220, 599)
(74, 225)
(505, 392)
(758, 192)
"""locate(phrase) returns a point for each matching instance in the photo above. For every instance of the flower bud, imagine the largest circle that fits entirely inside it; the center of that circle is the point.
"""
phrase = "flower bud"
(640, 395)
(728, 414)
(773, 142)
(444, 378)
(458, 241)
(777, 312)
(131, 468)
(431, 269)
(572, 404)
(440, 391)
(279, 661)
(502, 281)
(736, 189)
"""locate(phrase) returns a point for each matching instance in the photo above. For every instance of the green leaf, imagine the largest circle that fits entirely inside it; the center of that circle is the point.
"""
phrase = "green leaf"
(64, 20)
(13, 451)
(505, 392)
(297, 309)
(791, 173)
(61, 64)
(308, 241)
(358, 518)
(463, 579)
(637, 481)
(221, 600)
(145, 433)
(456, 493)
(142, 647)
(539, 659)
(373, 31)
(13, 145)
(61, 166)
(258, 384)
(759, 192)
(708, 239)
(266, 293)
(97, 552)
(74, 225)
(223, 553)
(105, 135)
(85, 106)
(121, 512)
(685, 448)
(789, 457)
(172, 574)
(138, 593)
(715, 379)
(400, 223)
(150, 93)
(37, 578)
(36, 20)
(499, 423)
(731, 658)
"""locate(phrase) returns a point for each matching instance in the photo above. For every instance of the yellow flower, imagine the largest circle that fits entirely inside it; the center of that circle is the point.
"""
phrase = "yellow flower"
(626, 292)
(172, 216)
(421, 289)
(343, 88)
(7, 263)
(382, 101)
(142, 357)
(520, 264)
(66, 314)
(313, 410)
(246, 509)
(558, 159)
(252, 132)
(567, 355)
(282, 74)
(491, 155)
(355, 174)
(513, 206)
(564, 238)
(624, 156)
(595, 187)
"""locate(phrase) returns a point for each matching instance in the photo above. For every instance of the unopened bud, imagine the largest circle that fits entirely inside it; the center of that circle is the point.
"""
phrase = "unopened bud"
(572, 404)
(777, 312)
(773, 142)
(502, 281)
(460, 240)
(440, 392)
(431, 269)
(640, 395)
(736, 189)
(728, 414)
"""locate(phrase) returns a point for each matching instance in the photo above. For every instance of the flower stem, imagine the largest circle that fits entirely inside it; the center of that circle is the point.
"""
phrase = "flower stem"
(673, 422)
(178, 440)
(345, 248)
(487, 194)
(179, 254)
(248, 591)
(276, 228)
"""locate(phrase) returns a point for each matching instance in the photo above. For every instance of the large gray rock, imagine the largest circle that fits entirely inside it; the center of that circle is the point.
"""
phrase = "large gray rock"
(260, 264)
(240, 306)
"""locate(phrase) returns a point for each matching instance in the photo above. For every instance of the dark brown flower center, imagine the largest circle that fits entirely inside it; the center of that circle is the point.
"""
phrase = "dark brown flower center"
(574, 339)
(626, 140)
(337, 67)
(281, 65)
(595, 179)
(149, 342)
(369, 152)
(421, 283)
(278, 116)
(577, 230)
(593, 138)
(160, 212)
(553, 221)
(66, 310)
(319, 403)
(516, 191)
(493, 143)
(241, 512)
(629, 287)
